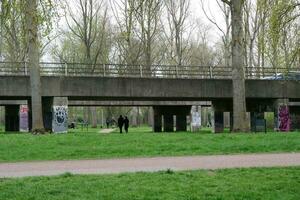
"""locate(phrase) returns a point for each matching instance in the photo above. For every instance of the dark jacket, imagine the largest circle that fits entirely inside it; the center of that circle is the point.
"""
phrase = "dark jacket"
(120, 121)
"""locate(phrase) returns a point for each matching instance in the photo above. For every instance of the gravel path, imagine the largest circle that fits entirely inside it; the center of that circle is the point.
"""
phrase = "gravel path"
(106, 130)
(47, 168)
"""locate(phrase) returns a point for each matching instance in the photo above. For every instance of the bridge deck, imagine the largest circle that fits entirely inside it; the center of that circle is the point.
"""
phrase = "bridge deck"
(135, 89)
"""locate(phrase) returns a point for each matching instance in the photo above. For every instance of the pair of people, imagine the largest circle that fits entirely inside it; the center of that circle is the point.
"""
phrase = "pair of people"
(121, 122)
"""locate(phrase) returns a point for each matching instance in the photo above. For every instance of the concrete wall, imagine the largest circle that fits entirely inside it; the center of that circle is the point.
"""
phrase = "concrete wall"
(98, 88)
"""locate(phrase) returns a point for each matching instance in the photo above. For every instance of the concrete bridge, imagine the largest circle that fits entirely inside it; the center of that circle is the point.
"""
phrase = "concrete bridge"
(104, 88)
(169, 89)
(167, 96)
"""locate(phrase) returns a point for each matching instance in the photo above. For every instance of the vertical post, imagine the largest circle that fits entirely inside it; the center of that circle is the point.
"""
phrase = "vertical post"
(104, 70)
(141, 71)
(176, 69)
(102, 119)
(12, 118)
(66, 69)
(210, 72)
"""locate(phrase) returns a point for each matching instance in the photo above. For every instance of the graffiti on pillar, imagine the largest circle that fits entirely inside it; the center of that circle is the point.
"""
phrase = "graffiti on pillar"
(284, 118)
(24, 118)
(60, 119)
(196, 119)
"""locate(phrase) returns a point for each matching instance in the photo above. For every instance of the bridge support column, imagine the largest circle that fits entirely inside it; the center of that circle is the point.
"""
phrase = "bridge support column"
(254, 118)
(24, 118)
(168, 122)
(55, 114)
(217, 121)
(168, 112)
(295, 118)
(47, 104)
(282, 115)
(157, 120)
(181, 124)
(231, 121)
(12, 118)
(219, 107)
(195, 118)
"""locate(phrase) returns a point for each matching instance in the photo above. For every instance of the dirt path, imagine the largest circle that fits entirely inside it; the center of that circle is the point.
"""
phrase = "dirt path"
(46, 168)
(106, 130)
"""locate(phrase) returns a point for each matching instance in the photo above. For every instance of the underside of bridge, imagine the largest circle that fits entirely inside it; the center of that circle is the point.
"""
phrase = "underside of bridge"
(168, 115)
(169, 98)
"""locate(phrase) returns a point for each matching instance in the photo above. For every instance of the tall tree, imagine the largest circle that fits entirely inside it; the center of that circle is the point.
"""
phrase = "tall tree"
(32, 23)
(148, 14)
(89, 27)
(240, 120)
(225, 31)
(177, 14)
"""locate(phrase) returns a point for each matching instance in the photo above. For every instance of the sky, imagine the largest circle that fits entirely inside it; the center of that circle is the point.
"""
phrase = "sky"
(214, 13)
(196, 13)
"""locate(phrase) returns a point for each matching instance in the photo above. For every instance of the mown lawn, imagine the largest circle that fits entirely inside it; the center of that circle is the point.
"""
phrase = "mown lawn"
(233, 184)
(140, 142)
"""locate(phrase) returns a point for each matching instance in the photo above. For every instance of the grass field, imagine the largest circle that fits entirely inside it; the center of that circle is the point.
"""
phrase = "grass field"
(140, 142)
(233, 184)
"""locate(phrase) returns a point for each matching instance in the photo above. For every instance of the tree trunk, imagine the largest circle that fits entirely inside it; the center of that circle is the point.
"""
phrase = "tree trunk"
(150, 116)
(240, 118)
(134, 114)
(1, 28)
(31, 17)
(93, 112)
(1, 115)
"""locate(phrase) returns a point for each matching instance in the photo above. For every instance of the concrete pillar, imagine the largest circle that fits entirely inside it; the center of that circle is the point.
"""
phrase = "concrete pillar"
(2, 113)
(150, 117)
(60, 115)
(12, 118)
(55, 114)
(168, 113)
(168, 123)
(134, 119)
(181, 123)
(281, 115)
(217, 121)
(157, 120)
(217, 114)
(47, 103)
(24, 118)
(231, 121)
(254, 116)
(227, 119)
(195, 118)
(295, 118)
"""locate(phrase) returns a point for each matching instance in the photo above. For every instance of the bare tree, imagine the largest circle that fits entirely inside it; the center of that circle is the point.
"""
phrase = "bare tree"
(89, 26)
(225, 31)
(148, 14)
(240, 121)
(129, 48)
(177, 14)
(31, 16)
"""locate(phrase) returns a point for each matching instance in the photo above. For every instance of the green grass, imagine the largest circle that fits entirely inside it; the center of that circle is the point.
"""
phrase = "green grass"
(233, 184)
(140, 142)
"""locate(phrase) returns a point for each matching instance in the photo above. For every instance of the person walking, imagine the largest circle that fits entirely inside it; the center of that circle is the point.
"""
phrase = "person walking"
(120, 123)
(107, 122)
(126, 124)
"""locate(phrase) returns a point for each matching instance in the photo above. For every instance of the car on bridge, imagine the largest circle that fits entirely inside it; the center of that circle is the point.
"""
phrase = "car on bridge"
(293, 75)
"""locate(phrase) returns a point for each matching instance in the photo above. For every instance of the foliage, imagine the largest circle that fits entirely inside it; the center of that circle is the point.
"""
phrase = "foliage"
(12, 15)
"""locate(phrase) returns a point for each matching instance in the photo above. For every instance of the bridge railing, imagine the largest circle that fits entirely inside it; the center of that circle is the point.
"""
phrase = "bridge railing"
(142, 71)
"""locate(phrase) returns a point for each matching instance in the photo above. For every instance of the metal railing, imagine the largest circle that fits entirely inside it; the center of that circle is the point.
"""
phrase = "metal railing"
(141, 71)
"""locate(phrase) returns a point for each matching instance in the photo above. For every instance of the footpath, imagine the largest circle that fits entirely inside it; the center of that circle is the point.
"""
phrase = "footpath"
(112, 166)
